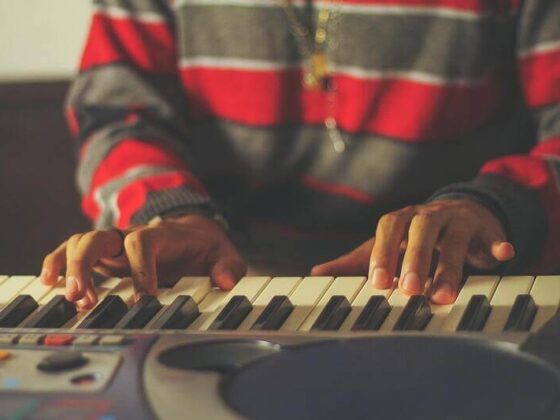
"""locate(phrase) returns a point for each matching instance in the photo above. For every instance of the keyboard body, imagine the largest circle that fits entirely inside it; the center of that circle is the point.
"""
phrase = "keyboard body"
(210, 369)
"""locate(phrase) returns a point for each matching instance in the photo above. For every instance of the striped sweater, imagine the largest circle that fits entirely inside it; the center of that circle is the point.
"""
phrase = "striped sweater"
(199, 103)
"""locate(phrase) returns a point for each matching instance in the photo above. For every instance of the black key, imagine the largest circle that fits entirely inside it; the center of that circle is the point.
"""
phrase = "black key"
(372, 316)
(106, 314)
(233, 314)
(333, 315)
(522, 314)
(140, 314)
(179, 315)
(476, 314)
(17, 310)
(57, 312)
(275, 314)
(415, 315)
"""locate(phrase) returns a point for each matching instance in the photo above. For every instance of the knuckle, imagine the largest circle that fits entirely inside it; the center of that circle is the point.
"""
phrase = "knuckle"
(390, 219)
(137, 239)
(92, 236)
(426, 219)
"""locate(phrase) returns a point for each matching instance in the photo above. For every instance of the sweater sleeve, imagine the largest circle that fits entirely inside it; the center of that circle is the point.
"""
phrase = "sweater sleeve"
(127, 112)
(524, 190)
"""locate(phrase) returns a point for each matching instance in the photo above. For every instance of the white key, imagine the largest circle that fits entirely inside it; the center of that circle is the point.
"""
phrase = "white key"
(278, 286)
(3, 279)
(304, 298)
(13, 286)
(343, 286)
(196, 287)
(502, 301)
(397, 301)
(208, 306)
(546, 294)
(36, 289)
(102, 291)
(249, 287)
(475, 285)
(360, 301)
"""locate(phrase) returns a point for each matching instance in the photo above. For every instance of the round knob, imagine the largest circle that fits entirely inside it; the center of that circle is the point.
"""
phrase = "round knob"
(63, 360)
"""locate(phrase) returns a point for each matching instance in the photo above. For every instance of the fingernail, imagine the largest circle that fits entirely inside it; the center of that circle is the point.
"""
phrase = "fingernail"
(380, 278)
(445, 293)
(411, 282)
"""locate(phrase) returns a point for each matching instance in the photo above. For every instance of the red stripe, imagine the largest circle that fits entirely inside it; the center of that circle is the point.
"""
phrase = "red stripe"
(398, 108)
(540, 77)
(133, 153)
(535, 172)
(148, 46)
(133, 197)
(339, 190)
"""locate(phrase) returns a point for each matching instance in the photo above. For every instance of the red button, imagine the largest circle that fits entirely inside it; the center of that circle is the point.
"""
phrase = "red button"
(58, 340)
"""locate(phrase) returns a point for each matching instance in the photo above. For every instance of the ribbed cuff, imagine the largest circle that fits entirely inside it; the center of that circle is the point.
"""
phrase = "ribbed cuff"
(518, 208)
(177, 202)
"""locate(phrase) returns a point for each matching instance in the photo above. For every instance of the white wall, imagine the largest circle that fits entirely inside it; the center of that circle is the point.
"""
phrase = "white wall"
(41, 39)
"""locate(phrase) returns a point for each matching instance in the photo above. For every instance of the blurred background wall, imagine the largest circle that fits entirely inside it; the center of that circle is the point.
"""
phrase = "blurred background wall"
(40, 44)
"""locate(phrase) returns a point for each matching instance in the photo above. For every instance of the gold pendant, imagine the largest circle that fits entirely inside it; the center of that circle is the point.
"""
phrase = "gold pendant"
(317, 71)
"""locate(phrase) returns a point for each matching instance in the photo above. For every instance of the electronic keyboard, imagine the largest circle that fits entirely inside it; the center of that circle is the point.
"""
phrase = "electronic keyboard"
(281, 347)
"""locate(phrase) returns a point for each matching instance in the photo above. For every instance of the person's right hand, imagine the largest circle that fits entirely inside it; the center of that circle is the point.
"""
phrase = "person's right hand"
(185, 245)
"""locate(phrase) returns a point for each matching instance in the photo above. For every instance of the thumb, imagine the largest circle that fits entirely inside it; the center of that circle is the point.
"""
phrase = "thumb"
(355, 263)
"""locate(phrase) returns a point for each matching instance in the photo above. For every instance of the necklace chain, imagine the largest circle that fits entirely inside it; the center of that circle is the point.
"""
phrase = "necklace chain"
(317, 74)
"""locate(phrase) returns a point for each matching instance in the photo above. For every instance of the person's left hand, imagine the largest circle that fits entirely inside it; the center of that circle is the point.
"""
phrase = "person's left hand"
(445, 234)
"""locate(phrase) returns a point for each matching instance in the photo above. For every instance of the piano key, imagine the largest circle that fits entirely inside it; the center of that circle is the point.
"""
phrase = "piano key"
(361, 301)
(140, 313)
(415, 315)
(3, 279)
(343, 286)
(36, 289)
(106, 314)
(304, 298)
(522, 314)
(333, 314)
(373, 314)
(546, 294)
(475, 285)
(274, 314)
(475, 315)
(232, 314)
(17, 310)
(502, 300)
(114, 285)
(249, 286)
(278, 286)
(397, 302)
(12, 286)
(53, 314)
(178, 315)
(209, 305)
(195, 287)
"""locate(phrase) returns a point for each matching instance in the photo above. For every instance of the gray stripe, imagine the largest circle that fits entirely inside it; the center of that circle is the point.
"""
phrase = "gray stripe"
(457, 48)
(540, 23)
(106, 196)
(375, 165)
(160, 7)
(549, 122)
(158, 202)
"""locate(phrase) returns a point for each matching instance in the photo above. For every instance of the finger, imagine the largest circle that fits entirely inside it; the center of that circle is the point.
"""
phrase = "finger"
(227, 271)
(53, 265)
(423, 234)
(140, 248)
(502, 250)
(453, 249)
(384, 258)
(89, 301)
(355, 263)
(73, 290)
(88, 250)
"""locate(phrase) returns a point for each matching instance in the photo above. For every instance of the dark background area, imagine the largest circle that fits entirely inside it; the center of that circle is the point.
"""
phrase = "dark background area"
(39, 204)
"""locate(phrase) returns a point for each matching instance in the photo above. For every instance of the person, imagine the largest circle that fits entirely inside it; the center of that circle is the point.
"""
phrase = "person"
(427, 129)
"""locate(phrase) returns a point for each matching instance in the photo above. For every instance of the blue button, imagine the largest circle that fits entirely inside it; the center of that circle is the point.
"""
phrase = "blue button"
(11, 383)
